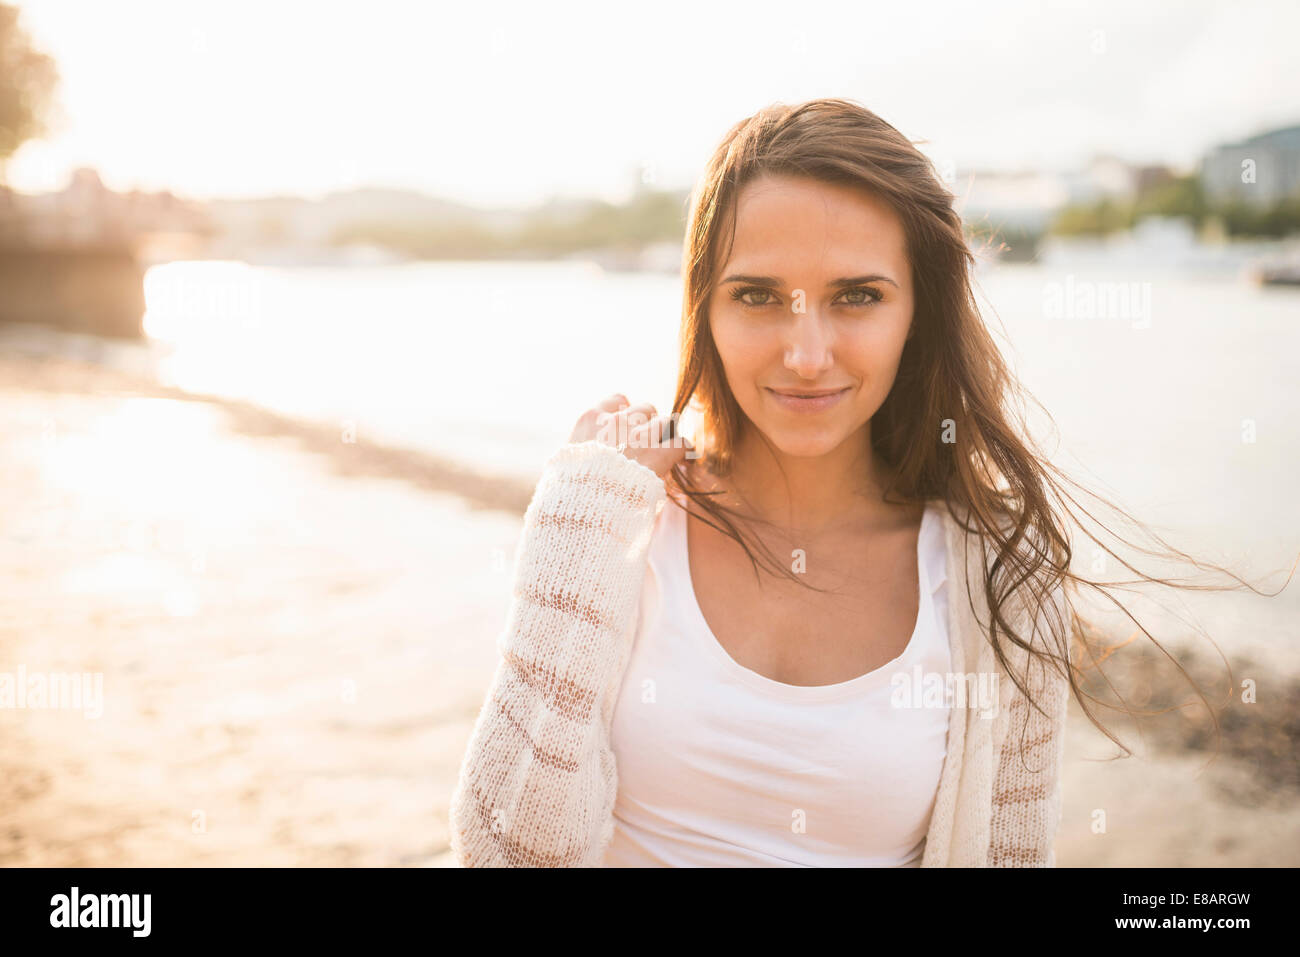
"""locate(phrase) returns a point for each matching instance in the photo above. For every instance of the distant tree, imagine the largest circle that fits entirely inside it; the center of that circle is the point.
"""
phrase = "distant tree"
(650, 216)
(1274, 221)
(1182, 196)
(1099, 218)
(27, 81)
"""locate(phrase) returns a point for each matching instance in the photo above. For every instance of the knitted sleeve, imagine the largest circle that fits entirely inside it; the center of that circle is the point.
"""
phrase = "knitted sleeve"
(538, 781)
(1027, 785)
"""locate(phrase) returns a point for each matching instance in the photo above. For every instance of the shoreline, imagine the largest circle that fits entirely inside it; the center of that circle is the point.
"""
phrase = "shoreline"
(48, 373)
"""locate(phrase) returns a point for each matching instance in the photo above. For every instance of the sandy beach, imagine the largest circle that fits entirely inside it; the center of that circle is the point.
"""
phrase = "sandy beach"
(295, 633)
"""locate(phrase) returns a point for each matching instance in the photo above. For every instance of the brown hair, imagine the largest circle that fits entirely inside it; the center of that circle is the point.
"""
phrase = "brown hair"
(951, 378)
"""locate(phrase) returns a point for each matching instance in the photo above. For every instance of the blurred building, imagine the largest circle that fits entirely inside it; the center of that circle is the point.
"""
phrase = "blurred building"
(1259, 170)
(1029, 200)
(1150, 177)
(86, 214)
(1104, 177)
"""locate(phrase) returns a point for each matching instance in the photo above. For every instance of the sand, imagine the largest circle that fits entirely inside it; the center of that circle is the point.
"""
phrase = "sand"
(295, 633)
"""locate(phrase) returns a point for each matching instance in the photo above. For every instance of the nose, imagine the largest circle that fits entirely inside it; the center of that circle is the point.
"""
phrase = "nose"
(808, 345)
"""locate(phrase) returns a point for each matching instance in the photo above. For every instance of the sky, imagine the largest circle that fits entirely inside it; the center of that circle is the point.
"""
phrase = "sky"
(508, 104)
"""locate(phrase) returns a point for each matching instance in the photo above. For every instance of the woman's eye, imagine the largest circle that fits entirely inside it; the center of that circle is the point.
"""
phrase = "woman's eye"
(740, 295)
(868, 296)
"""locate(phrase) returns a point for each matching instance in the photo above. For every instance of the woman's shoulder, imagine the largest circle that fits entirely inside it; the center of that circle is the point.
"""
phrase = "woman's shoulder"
(973, 532)
(1041, 598)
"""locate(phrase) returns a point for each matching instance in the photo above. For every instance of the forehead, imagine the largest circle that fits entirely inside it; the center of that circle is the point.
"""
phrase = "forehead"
(788, 223)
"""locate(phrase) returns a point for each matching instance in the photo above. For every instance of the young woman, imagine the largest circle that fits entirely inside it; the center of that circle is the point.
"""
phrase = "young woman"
(834, 630)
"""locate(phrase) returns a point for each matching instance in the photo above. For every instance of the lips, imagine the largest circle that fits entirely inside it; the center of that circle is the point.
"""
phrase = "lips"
(812, 400)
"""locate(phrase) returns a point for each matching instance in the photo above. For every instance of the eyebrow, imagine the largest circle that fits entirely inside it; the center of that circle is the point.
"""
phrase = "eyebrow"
(773, 282)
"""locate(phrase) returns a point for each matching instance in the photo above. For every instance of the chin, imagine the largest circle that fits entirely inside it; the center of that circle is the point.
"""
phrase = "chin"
(805, 443)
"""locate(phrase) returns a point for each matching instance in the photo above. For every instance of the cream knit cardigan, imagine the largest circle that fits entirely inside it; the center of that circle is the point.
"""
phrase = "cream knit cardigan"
(538, 781)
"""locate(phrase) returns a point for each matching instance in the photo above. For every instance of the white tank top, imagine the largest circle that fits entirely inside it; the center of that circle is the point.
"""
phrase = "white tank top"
(719, 766)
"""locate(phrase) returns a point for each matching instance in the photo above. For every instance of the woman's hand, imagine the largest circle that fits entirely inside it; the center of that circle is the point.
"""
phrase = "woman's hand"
(615, 422)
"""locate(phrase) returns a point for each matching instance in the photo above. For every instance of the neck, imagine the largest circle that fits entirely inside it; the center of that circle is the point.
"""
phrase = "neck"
(809, 494)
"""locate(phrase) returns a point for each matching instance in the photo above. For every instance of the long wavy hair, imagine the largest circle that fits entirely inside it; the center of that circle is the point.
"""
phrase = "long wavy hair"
(949, 428)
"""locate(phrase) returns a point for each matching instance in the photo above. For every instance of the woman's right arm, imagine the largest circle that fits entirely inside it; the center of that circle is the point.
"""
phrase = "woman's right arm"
(538, 782)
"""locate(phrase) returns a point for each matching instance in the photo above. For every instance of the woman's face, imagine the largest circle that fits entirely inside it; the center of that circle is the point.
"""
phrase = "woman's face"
(812, 310)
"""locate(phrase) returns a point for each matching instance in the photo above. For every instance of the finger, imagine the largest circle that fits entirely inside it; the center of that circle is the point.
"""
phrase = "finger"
(616, 428)
(596, 420)
(659, 431)
(650, 448)
(592, 421)
(638, 414)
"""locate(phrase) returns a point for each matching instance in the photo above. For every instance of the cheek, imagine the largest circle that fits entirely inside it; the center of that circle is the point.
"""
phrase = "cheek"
(870, 349)
(876, 347)
(743, 348)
